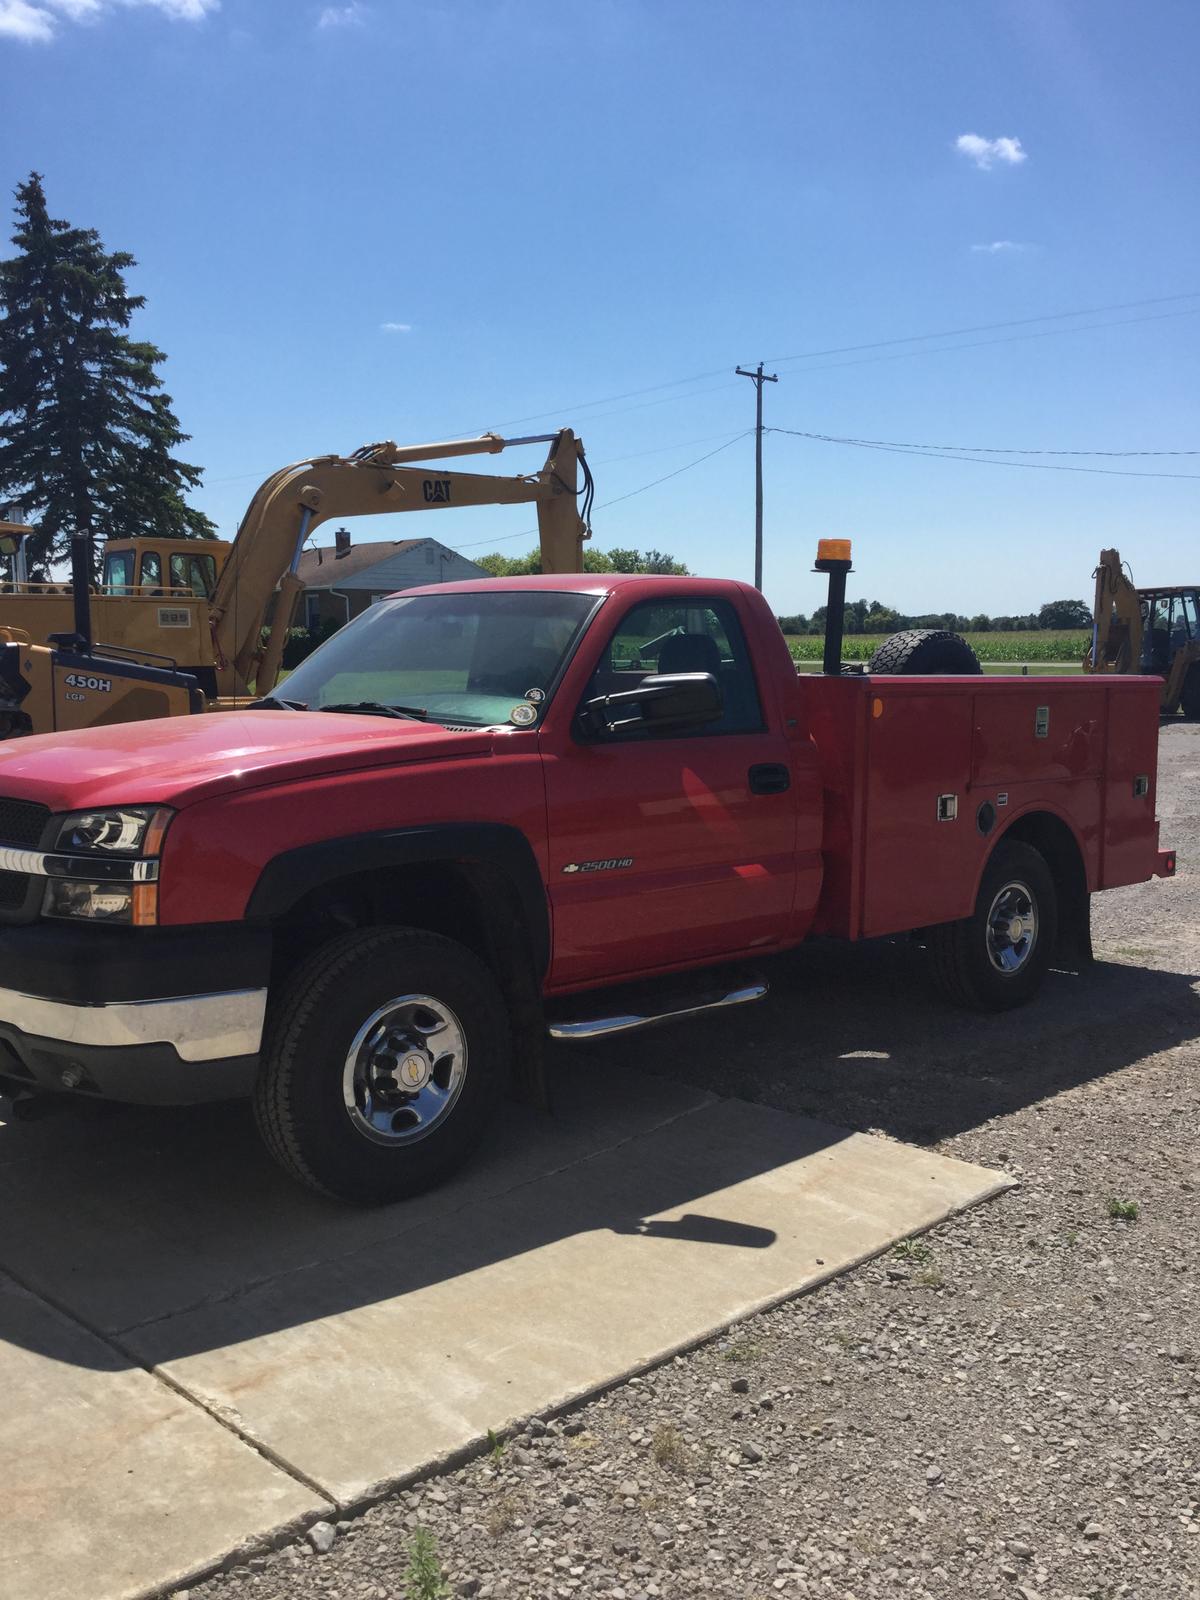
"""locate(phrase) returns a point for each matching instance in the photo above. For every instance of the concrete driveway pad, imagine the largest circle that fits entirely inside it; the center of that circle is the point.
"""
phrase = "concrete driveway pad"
(345, 1351)
(113, 1484)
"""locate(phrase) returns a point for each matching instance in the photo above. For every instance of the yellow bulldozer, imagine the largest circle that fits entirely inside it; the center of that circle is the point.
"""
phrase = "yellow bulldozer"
(201, 624)
(1153, 630)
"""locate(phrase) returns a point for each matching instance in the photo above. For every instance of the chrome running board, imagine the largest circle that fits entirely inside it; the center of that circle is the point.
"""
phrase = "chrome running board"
(647, 1017)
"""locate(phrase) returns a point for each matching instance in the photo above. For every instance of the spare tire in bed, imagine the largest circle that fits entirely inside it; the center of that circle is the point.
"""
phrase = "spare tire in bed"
(925, 650)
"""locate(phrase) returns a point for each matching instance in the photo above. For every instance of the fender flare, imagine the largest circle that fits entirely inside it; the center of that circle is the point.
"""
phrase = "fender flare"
(1075, 890)
(290, 876)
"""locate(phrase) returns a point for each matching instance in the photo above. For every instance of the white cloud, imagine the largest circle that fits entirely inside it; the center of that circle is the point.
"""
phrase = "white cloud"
(395, 327)
(1000, 247)
(31, 24)
(986, 152)
(351, 16)
(37, 21)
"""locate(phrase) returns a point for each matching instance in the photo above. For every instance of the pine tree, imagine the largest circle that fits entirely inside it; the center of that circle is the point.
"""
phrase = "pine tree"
(86, 431)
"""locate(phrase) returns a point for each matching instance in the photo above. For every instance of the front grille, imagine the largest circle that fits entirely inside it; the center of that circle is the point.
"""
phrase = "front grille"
(22, 821)
(14, 886)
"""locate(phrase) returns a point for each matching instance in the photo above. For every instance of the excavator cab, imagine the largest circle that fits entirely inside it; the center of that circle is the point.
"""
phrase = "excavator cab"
(163, 568)
(71, 682)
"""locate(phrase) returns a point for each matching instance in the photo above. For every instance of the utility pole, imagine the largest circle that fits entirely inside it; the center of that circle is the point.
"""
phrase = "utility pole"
(758, 378)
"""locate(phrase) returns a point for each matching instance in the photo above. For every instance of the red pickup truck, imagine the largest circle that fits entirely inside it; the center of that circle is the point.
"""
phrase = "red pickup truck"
(363, 904)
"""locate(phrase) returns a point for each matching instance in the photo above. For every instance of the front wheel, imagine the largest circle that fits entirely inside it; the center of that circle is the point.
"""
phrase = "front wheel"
(997, 957)
(1189, 699)
(384, 1058)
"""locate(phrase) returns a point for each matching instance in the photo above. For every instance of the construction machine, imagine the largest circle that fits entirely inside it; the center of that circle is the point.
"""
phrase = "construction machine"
(1154, 631)
(69, 682)
(152, 599)
(230, 636)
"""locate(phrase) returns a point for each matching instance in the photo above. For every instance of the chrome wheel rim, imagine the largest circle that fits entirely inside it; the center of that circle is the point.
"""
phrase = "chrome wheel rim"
(1012, 928)
(404, 1070)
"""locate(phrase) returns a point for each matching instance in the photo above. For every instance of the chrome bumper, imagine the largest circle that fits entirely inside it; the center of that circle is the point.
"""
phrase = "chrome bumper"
(200, 1027)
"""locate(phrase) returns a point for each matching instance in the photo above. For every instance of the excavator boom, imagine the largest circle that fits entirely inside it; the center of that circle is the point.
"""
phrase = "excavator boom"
(379, 478)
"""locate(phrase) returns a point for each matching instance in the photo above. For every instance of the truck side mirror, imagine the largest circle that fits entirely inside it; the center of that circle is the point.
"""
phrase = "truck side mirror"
(666, 702)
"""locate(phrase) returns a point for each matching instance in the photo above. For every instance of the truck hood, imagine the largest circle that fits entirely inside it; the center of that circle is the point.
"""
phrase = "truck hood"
(184, 759)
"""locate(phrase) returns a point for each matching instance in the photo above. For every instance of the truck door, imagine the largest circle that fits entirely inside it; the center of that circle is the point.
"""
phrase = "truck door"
(674, 848)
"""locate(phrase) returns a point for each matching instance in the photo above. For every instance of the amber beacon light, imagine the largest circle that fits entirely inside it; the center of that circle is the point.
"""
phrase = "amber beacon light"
(833, 557)
(832, 550)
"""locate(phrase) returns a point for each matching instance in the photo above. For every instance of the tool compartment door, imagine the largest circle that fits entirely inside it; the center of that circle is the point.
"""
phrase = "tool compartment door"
(1130, 837)
(919, 865)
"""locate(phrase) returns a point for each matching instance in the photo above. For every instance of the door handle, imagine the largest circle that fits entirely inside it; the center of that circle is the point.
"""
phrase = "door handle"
(769, 777)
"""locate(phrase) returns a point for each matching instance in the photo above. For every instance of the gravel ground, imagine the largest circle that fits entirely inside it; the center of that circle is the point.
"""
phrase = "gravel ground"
(1008, 1406)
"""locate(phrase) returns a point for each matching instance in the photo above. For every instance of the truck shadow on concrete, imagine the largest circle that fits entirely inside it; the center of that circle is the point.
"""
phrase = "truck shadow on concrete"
(859, 1037)
(171, 1232)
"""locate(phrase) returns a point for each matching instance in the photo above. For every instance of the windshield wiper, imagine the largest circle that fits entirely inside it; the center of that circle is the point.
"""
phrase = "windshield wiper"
(273, 702)
(376, 708)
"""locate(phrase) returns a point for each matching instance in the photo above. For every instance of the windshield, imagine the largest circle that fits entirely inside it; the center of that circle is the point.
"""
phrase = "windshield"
(468, 659)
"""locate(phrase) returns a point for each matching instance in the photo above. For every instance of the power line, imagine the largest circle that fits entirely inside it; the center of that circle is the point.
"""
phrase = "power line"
(982, 461)
(991, 327)
(879, 344)
(876, 344)
(530, 533)
(1012, 338)
(984, 449)
(745, 434)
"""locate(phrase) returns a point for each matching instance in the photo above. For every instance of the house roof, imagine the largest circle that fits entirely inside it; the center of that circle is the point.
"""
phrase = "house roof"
(325, 569)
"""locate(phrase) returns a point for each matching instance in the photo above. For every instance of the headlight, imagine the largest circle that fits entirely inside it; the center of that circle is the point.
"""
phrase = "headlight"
(122, 831)
(105, 867)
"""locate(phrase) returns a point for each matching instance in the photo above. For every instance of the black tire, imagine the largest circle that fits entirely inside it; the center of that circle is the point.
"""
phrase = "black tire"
(300, 1106)
(925, 650)
(1189, 698)
(966, 961)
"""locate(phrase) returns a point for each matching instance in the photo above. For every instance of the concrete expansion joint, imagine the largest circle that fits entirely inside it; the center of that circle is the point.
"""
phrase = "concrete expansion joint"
(215, 1412)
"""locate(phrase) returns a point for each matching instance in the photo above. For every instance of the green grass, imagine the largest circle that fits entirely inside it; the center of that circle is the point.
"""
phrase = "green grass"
(1122, 1210)
(1058, 648)
(740, 1350)
(913, 1250)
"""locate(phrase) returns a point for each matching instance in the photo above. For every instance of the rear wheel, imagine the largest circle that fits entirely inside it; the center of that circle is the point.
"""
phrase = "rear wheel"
(928, 650)
(1189, 699)
(384, 1058)
(997, 957)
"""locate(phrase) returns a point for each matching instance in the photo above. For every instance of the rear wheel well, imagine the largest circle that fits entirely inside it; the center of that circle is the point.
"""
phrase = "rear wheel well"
(1056, 844)
(473, 903)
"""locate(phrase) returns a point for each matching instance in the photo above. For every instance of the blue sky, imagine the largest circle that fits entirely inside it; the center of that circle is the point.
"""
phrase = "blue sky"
(392, 220)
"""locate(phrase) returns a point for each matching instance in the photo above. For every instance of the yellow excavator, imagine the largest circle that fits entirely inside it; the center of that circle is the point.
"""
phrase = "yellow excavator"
(182, 644)
(1155, 631)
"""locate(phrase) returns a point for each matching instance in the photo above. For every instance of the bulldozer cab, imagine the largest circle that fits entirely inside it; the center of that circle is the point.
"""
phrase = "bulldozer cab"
(184, 568)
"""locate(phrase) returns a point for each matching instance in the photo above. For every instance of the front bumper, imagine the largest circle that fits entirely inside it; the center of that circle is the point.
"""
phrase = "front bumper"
(156, 1017)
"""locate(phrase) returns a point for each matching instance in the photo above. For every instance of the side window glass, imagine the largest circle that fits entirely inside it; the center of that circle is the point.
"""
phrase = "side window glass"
(197, 573)
(688, 636)
(151, 569)
(118, 571)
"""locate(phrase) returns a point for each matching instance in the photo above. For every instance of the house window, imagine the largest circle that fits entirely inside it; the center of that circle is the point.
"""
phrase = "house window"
(312, 610)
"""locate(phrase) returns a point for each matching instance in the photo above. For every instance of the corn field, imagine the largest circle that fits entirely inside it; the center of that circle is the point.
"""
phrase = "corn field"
(1039, 644)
